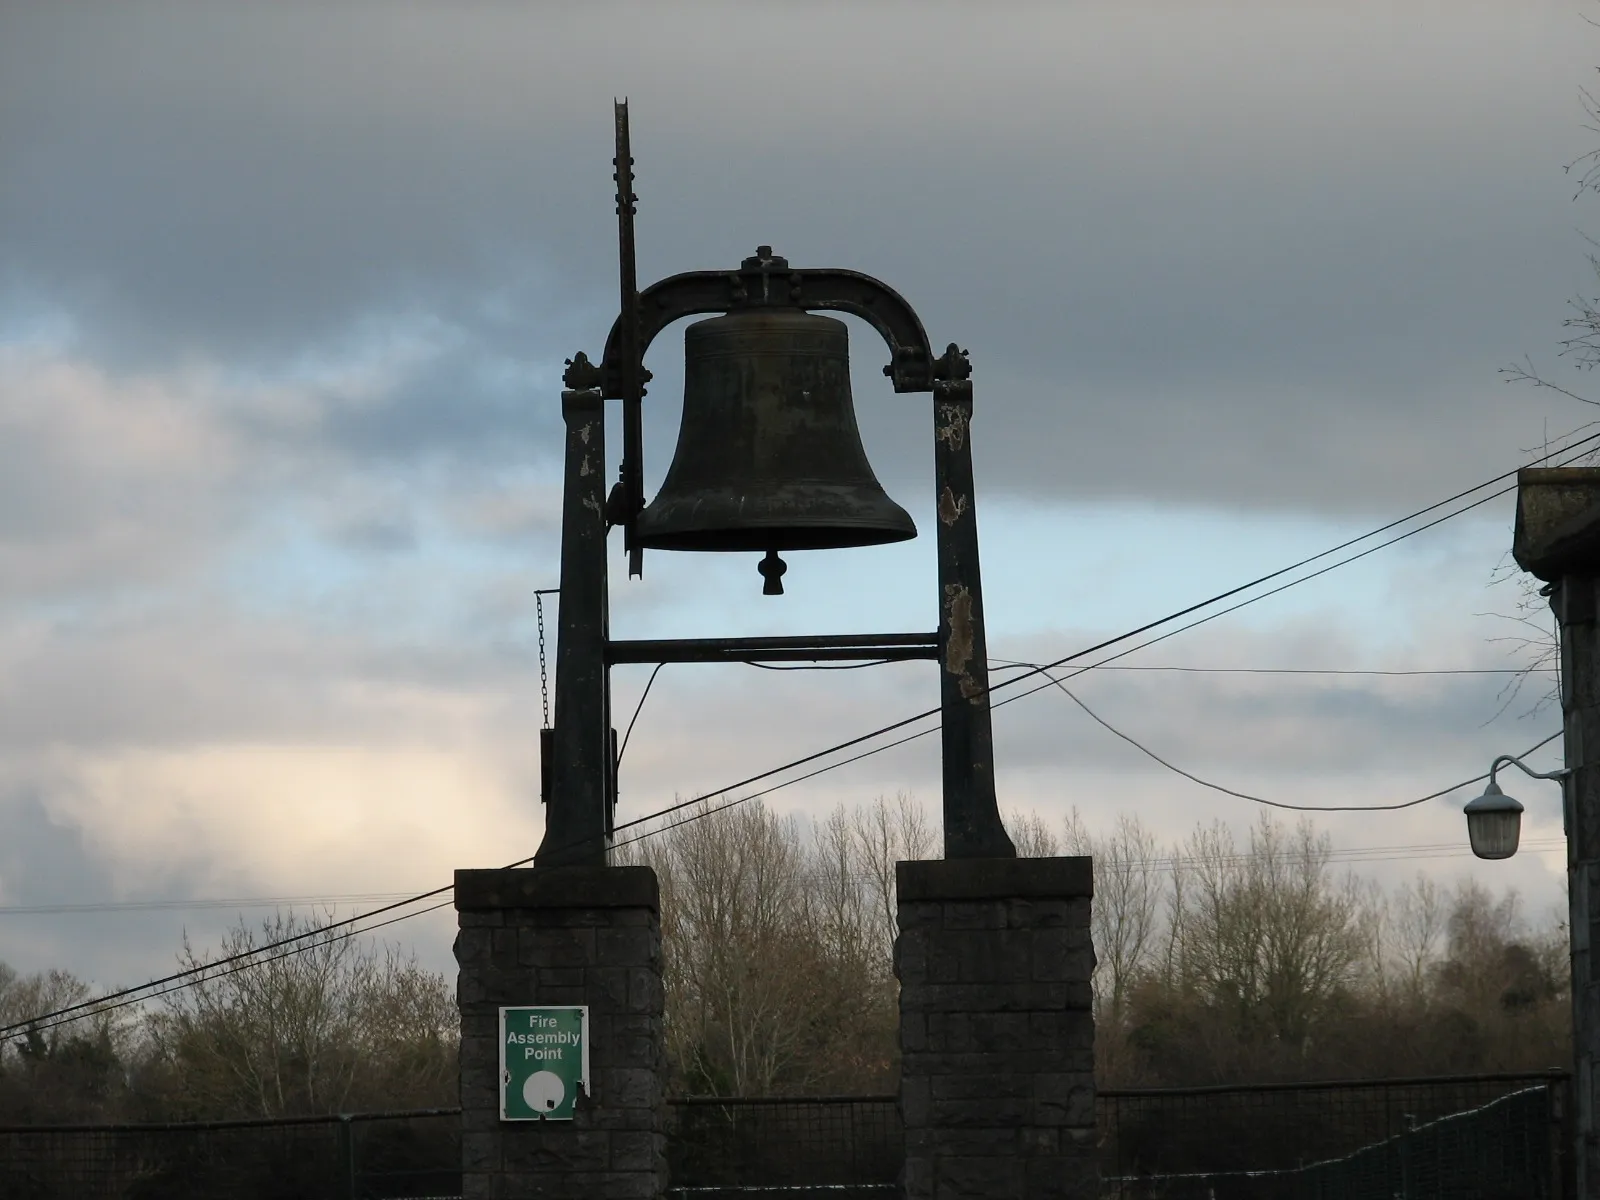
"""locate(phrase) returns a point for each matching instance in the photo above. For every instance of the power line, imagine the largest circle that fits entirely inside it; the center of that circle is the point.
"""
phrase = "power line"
(901, 724)
(1227, 791)
(911, 720)
(1332, 670)
(637, 709)
(241, 962)
(102, 906)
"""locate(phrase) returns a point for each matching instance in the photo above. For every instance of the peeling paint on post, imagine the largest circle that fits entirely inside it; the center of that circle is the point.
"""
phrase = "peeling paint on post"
(972, 826)
(951, 506)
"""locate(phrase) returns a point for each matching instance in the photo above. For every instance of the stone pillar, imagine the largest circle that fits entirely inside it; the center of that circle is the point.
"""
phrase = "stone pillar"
(1558, 539)
(564, 936)
(996, 1029)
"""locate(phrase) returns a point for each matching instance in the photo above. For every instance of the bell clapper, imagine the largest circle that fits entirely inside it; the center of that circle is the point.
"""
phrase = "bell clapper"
(772, 568)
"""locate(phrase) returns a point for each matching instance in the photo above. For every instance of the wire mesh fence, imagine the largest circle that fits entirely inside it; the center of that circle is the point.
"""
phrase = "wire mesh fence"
(1481, 1137)
(367, 1156)
(837, 1146)
(1502, 1151)
(1338, 1141)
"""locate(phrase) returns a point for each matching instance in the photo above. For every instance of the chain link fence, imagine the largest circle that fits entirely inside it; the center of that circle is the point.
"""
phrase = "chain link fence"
(1484, 1137)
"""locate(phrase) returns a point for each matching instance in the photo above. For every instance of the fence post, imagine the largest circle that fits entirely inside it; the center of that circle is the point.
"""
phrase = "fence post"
(347, 1158)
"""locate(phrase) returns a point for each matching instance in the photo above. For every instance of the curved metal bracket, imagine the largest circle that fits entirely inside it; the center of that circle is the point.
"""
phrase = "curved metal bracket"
(1494, 769)
(767, 280)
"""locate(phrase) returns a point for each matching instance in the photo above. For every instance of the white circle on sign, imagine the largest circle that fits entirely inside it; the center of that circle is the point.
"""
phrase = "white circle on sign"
(543, 1091)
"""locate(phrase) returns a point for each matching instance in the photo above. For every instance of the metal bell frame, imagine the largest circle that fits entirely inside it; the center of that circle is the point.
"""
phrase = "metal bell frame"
(582, 788)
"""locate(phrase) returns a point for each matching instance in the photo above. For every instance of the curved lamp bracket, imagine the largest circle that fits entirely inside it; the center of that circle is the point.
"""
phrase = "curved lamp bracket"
(1495, 766)
(766, 280)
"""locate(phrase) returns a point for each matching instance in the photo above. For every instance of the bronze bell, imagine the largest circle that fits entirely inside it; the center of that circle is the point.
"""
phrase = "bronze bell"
(769, 456)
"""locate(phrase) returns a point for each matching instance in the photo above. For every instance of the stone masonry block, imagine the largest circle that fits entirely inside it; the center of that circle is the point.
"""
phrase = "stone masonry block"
(469, 989)
(946, 1064)
(538, 947)
(480, 1119)
(919, 916)
(480, 1091)
(469, 948)
(539, 993)
(999, 1085)
(556, 888)
(980, 1177)
(1048, 914)
(1067, 1030)
(994, 879)
(917, 1178)
(619, 1185)
(646, 993)
(980, 1141)
(503, 948)
(1009, 1114)
(628, 947)
(916, 1099)
(607, 987)
(636, 1151)
(910, 958)
(974, 914)
(558, 1145)
(557, 977)
(1065, 1098)
(980, 997)
(480, 1151)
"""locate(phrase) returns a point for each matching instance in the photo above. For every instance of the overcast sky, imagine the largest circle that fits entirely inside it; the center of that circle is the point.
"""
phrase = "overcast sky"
(285, 291)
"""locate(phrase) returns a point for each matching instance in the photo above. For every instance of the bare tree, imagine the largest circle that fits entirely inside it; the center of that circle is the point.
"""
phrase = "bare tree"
(734, 955)
(1270, 933)
(888, 832)
(339, 1022)
(1418, 924)
(73, 1070)
(1031, 835)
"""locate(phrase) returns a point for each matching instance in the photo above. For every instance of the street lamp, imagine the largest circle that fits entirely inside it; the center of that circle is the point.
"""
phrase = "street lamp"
(1494, 819)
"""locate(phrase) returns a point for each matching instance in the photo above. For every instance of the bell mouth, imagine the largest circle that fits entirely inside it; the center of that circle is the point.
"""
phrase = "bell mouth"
(721, 521)
(779, 538)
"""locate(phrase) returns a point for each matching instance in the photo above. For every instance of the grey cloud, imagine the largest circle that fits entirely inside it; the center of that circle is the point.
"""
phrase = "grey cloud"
(1171, 286)
(47, 860)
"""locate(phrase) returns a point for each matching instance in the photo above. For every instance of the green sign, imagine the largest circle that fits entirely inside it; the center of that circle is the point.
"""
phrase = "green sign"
(544, 1060)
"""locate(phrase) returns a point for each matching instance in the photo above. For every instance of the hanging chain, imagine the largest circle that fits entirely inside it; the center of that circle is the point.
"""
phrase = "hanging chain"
(544, 677)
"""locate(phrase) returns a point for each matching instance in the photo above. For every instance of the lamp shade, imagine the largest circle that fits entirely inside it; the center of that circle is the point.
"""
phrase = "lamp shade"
(1494, 823)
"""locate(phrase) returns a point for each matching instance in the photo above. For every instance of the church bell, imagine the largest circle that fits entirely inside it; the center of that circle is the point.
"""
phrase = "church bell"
(769, 457)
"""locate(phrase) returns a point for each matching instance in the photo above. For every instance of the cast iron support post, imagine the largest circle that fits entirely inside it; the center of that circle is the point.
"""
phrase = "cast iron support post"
(1558, 539)
(577, 816)
(972, 826)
